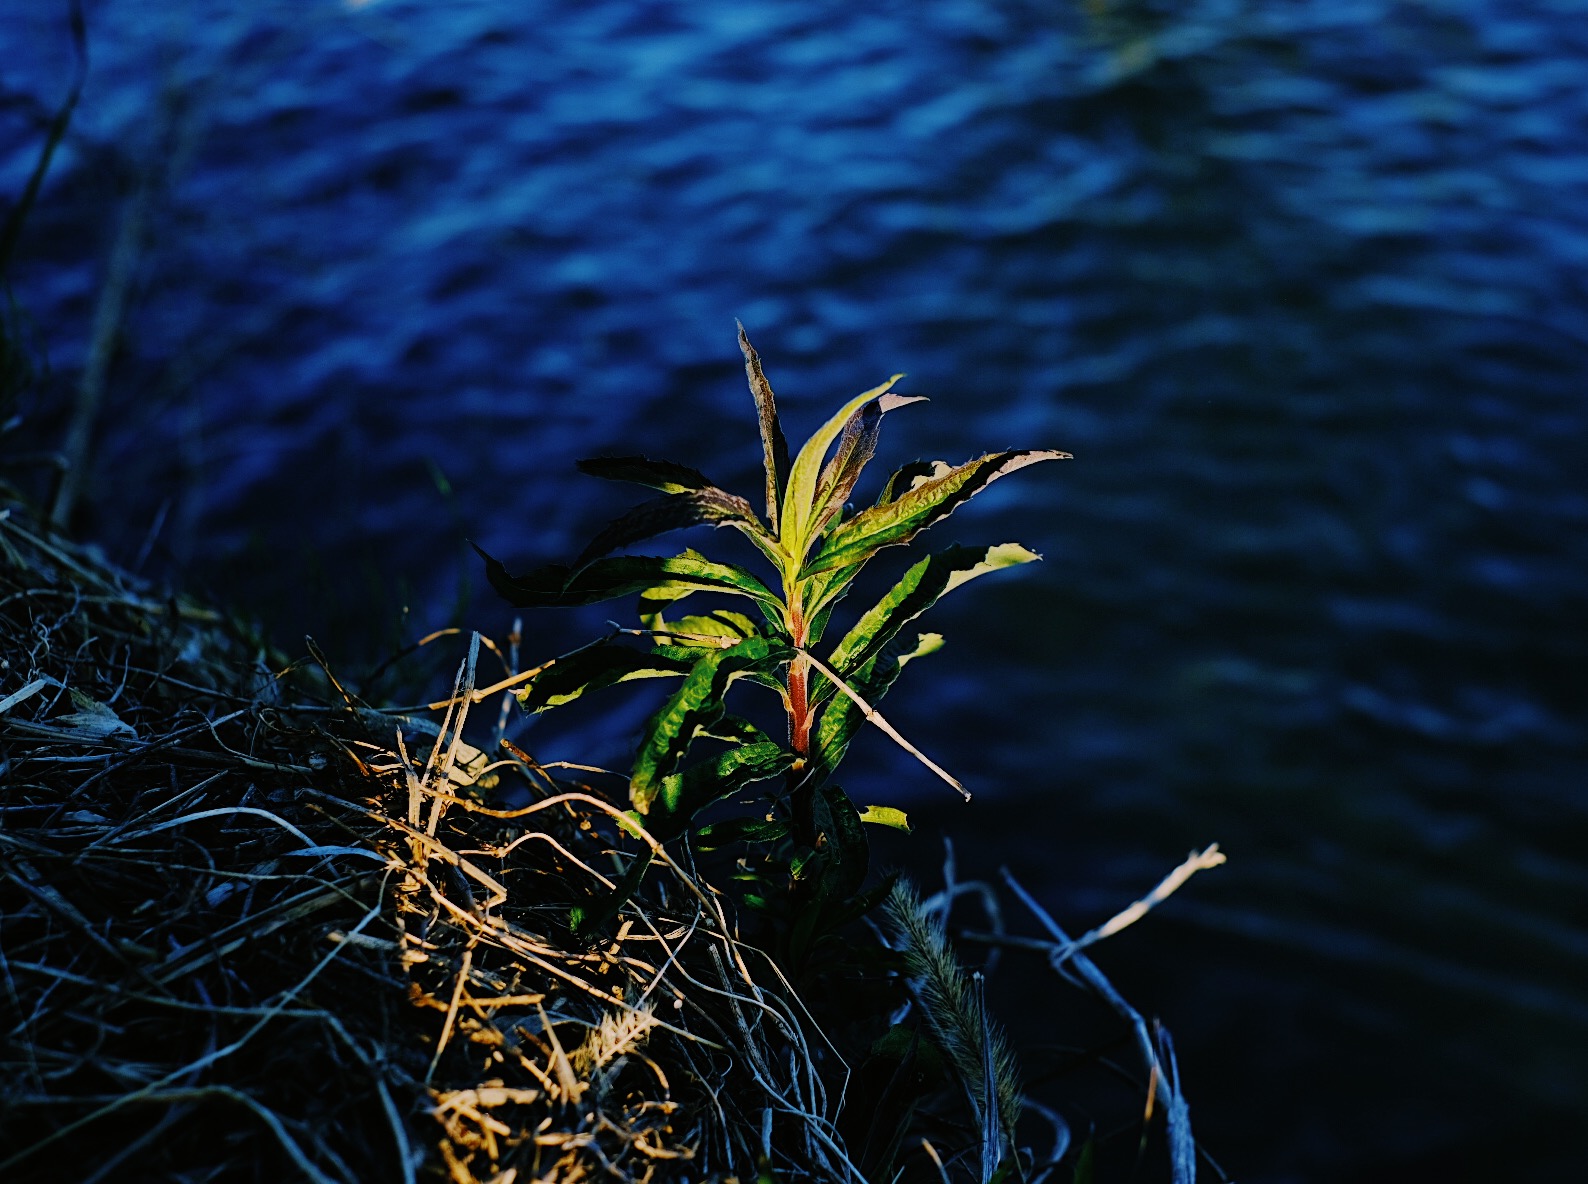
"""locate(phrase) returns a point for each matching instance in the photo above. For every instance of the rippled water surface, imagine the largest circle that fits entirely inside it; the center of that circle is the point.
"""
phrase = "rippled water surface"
(1302, 286)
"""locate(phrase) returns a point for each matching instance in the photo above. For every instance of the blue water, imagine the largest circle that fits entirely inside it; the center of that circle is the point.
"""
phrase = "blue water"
(1301, 285)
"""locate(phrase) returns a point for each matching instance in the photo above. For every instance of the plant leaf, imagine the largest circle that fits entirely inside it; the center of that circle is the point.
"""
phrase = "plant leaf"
(696, 705)
(918, 590)
(823, 591)
(665, 475)
(92, 720)
(601, 664)
(557, 586)
(674, 511)
(799, 499)
(682, 795)
(774, 447)
(928, 501)
(846, 846)
(856, 446)
(742, 830)
(716, 630)
(908, 477)
(886, 816)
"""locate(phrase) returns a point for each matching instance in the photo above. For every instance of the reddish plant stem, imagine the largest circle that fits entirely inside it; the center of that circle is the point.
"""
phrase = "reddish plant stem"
(799, 687)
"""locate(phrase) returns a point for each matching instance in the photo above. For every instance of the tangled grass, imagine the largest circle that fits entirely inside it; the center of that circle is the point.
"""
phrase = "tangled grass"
(251, 928)
(187, 989)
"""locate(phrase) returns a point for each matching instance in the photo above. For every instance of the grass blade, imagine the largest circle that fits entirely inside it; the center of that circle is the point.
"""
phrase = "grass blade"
(850, 721)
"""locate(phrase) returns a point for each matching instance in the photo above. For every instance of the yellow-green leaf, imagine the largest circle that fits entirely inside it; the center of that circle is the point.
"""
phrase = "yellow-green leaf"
(694, 707)
(930, 500)
(799, 508)
(886, 816)
(918, 590)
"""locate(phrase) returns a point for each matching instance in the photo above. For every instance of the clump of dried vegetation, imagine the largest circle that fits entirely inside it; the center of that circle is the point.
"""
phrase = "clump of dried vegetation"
(253, 929)
(189, 964)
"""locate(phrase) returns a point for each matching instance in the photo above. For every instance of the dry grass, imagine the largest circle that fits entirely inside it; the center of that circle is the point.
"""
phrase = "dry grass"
(253, 929)
(185, 992)
(671, 1050)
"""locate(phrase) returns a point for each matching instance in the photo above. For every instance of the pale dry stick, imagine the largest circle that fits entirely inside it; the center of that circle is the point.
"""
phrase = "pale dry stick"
(584, 768)
(567, 1080)
(454, 720)
(874, 717)
(415, 789)
(1195, 862)
(26, 693)
(452, 1011)
(1182, 1145)
(195, 1066)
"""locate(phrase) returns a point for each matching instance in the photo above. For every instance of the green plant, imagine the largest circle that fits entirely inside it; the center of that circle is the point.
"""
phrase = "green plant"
(815, 551)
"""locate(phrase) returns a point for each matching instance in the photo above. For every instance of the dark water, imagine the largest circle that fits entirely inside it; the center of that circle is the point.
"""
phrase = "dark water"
(1302, 285)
